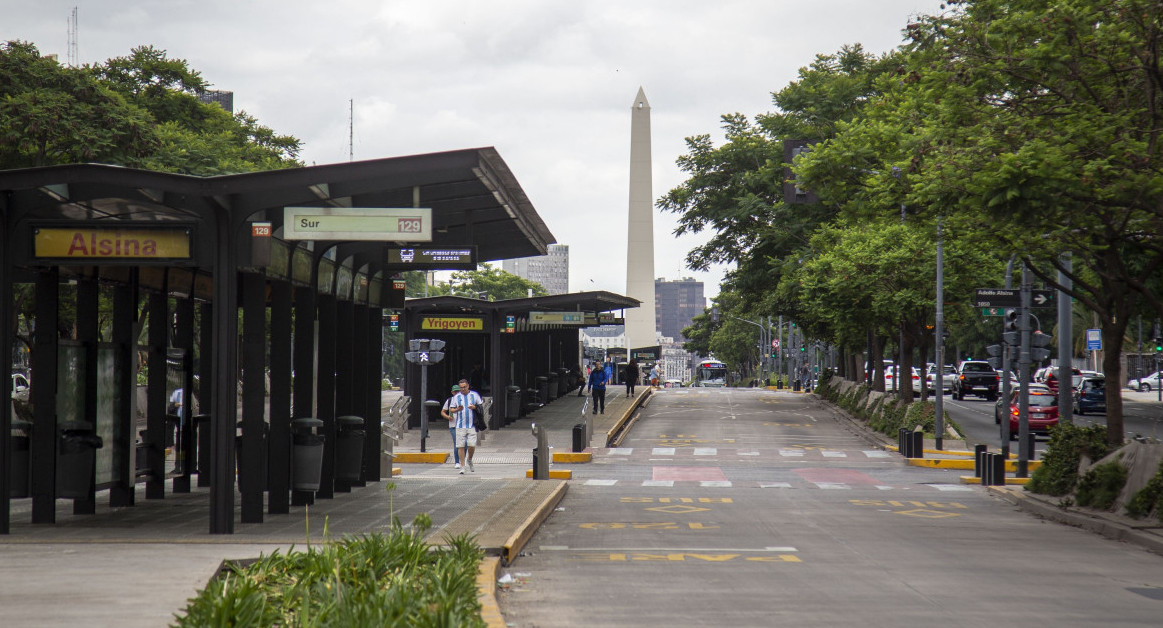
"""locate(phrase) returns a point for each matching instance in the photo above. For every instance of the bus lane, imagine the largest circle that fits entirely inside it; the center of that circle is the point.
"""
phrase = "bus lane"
(755, 508)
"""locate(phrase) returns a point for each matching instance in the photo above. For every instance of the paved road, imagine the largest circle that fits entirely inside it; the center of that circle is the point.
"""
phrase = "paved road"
(761, 508)
(1142, 414)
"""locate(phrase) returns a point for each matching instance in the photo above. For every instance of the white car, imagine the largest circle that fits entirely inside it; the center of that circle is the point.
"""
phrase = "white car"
(947, 378)
(1148, 383)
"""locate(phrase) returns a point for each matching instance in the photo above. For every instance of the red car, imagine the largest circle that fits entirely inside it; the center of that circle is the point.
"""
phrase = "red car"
(1043, 413)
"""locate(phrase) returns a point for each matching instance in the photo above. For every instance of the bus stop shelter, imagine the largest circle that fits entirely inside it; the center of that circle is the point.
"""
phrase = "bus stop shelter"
(257, 322)
(513, 342)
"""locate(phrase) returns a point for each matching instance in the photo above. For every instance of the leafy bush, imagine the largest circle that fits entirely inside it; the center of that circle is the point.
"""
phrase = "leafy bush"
(1148, 498)
(372, 580)
(1100, 486)
(1058, 474)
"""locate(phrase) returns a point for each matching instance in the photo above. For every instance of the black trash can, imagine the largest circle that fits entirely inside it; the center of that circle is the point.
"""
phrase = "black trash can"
(579, 437)
(349, 438)
(202, 424)
(76, 455)
(21, 432)
(796, 385)
(551, 394)
(512, 403)
(252, 483)
(306, 454)
(542, 389)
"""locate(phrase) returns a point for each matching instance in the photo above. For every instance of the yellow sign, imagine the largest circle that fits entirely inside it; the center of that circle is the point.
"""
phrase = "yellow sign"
(106, 243)
(452, 323)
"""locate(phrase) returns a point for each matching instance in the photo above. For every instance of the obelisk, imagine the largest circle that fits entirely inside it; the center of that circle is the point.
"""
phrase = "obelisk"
(640, 322)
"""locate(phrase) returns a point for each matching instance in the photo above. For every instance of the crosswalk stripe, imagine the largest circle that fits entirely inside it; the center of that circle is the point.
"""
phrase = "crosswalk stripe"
(834, 454)
(601, 482)
(658, 483)
(714, 484)
(705, 451)
(831, 485)
(950, 487)
(774, 485)
(662, 451)
(877, 454)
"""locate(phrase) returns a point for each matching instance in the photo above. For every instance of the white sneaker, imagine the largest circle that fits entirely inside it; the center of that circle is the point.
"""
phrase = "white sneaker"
(470, 467)
(462, 471)
(457, 466)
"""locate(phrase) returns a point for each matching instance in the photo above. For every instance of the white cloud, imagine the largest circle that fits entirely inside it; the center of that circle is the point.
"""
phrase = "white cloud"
(548, 82)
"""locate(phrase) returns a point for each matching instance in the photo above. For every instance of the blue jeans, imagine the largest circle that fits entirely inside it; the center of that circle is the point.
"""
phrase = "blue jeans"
(455, 452)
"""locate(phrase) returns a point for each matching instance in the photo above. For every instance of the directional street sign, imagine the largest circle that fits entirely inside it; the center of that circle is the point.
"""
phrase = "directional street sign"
(993, 311)
(1003, 298)
(997, 297)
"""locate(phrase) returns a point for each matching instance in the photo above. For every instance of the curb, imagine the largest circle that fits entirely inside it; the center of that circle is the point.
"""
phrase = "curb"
(554, 474)
(947, 463)
(1087, 521)
(572, 457)
(421, 458)
(970, 479)
(487, 592)
(525, 531)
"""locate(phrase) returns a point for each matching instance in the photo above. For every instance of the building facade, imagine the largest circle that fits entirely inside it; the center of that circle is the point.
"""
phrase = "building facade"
(676, 304)
(551, 271)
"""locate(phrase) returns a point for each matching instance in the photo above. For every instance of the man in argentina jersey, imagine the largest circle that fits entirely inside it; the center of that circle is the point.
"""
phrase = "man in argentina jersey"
(461, 407)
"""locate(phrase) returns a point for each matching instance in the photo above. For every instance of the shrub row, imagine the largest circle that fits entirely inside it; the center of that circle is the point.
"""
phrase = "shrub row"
(882, 412)
(392, 579)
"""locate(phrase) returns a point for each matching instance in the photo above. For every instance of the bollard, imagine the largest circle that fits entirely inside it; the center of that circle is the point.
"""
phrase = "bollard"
(1031, 440)
(987, 468)
(540, 454)
(902, 442)
(995, 470)
(978, 459)
(579, 437)
(917, 444)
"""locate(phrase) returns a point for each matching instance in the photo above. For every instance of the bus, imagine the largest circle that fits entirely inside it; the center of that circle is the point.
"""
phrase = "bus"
(711, 373)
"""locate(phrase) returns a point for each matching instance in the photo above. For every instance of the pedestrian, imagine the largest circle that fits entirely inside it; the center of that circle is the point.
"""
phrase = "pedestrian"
(445, 412)
(632, 375)
(609, 369)
(597, 385)
(579, 380)
(654, 376)
(466, 402)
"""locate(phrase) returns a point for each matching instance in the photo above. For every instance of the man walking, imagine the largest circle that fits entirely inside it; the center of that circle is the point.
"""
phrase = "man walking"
(632, 376)
(461, 408)
(447, 414)
(597, 385)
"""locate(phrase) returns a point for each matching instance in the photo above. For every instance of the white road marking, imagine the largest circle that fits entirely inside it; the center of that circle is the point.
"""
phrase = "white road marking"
(878, 454)
(951, 487)
(774, 485)
(831, 485)
(621, 451)
(715, 484)
(658, 483)
(791, 452)
(662, 451)
(601, 482)
(834, 454)
(706, 451)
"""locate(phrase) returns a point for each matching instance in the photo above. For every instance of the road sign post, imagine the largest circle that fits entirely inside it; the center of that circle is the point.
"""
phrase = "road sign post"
(424, 352)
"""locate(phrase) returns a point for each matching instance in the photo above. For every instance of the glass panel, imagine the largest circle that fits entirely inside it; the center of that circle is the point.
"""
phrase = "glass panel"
(326, 276)
(108, 409)
(301, 266)
(343, 283)
(280, 259)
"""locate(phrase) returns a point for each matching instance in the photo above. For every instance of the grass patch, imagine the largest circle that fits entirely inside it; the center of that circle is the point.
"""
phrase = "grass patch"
(1100, 486)
(1058, 474)
(392, 579)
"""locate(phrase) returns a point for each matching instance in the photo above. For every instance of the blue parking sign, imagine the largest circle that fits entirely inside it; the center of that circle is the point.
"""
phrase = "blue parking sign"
(1094, 340)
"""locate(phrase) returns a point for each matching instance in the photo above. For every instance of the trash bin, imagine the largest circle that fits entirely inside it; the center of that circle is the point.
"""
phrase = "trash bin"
(76, 455)
(551, 394)
(512, 403)
(306, 454)
(542, 389)
(796, 385)
(349, 437)
(251, 483)
(21, 432)
(579, 437)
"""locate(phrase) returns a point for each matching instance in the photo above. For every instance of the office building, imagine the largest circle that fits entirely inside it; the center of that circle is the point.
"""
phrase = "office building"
(676, 304)
(551, 271)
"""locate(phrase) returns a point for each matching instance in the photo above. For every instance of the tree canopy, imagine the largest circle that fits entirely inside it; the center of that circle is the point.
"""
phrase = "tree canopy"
(142, 111)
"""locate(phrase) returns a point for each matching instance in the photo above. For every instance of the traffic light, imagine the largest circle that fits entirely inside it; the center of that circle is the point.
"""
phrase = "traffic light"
(1011, 319)
(1037, 341)
(1159, 345)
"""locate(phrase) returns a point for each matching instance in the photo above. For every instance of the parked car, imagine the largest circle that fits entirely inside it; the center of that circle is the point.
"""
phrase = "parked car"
(1148, 383)
(1042, 413)
(1002, 407)
(947, 378)
(1050, 377)
(976, 377)
(1090, 395)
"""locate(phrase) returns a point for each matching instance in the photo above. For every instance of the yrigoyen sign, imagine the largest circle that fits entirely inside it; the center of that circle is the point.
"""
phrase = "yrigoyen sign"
(393, 224)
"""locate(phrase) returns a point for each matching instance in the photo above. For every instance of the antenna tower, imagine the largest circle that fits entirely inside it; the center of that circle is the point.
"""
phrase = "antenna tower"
(72, 54)
(351, 129)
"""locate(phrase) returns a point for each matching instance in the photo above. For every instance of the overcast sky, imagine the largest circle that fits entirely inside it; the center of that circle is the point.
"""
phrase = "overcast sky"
(549, 83)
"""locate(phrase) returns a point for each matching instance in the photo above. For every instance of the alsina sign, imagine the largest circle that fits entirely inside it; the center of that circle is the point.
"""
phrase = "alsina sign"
(104, 243)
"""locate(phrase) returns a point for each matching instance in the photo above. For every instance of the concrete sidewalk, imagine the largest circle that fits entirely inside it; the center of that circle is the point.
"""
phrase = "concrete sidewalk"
(138, 566)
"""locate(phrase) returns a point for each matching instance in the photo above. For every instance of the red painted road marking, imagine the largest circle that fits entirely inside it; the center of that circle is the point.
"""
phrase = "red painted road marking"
(836, 476)
(690, 474)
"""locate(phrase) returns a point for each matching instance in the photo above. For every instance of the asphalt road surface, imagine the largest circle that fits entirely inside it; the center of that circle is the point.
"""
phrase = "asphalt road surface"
(744, 507)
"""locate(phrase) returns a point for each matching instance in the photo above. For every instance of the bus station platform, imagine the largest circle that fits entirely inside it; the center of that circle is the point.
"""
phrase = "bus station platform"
(138, 566)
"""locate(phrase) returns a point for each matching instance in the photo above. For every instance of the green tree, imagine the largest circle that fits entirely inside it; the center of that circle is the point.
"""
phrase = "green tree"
(490, 283)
